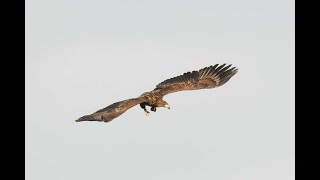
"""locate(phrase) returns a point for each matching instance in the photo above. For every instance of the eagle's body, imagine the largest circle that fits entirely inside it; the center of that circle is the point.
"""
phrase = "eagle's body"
(206, 78)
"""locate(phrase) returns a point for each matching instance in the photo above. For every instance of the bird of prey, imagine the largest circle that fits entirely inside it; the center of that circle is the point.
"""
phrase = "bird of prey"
(206, 78)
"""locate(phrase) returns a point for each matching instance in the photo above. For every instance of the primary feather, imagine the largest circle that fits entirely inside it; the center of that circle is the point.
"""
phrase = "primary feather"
(206, 78)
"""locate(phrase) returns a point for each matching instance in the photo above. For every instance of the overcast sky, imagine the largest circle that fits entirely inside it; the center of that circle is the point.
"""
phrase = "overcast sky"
(83, 55)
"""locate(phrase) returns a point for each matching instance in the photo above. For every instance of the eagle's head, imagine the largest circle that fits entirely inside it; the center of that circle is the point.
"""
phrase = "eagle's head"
(162, 103)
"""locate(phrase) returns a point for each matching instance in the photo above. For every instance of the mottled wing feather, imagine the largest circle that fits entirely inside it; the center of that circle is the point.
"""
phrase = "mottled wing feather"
(112, 111)
(206, 78)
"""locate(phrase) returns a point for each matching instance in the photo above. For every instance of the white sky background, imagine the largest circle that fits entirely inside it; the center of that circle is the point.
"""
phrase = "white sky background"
(83, 55)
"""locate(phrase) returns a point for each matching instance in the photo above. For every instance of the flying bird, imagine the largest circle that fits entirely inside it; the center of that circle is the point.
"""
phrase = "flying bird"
(206, 78)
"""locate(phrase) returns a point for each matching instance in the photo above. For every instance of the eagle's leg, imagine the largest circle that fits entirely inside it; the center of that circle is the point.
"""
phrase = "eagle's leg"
(143, 106)
(153, 108)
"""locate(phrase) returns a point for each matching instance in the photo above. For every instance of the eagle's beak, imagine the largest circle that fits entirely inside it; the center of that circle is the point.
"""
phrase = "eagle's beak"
(167, 106)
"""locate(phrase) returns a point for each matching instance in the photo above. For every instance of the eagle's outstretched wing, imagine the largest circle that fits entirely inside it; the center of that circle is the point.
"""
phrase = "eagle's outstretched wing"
(112, 111)
(206, 78)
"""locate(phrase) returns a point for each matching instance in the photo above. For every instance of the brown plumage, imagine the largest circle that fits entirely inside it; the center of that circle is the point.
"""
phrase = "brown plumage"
(206, 78)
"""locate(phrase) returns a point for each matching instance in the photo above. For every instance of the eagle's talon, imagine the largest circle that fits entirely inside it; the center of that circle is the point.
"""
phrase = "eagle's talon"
(153, 109)
(146, 112)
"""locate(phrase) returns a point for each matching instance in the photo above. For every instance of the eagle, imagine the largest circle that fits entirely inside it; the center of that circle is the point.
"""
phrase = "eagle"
(206, 78)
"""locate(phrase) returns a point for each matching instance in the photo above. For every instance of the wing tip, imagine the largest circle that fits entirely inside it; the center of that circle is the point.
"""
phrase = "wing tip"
(83, 118)
(218, 70)
(86, 118)
(226, 74)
